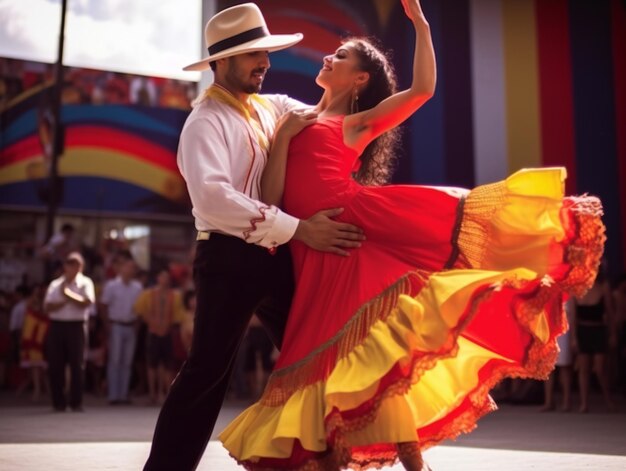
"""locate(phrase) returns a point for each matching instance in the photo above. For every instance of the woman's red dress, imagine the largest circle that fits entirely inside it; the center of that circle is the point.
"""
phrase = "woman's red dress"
(452, 291)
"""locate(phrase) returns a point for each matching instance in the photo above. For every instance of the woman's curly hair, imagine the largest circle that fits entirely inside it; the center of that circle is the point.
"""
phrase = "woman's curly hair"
(379, 157)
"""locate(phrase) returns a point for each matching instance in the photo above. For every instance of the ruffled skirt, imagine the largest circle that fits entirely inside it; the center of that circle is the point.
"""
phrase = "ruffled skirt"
(415, 361)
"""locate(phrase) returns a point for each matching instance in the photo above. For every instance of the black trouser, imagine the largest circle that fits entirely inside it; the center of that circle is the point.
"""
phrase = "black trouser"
(66, 346)
(233, 280)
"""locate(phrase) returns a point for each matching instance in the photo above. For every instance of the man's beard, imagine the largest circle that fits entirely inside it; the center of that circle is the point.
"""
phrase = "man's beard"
(246, 86)
(251, 88)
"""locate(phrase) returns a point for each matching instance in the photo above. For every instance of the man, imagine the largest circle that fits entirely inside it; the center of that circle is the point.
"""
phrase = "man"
(118, 298)
(58, 247)
(241, 264)
(68, 302)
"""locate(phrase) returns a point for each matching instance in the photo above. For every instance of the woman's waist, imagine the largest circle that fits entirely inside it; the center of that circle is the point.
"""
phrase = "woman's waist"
(320, 195)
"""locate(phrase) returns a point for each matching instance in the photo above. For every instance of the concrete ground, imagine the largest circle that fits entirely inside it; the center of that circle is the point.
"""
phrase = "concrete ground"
(105, 437)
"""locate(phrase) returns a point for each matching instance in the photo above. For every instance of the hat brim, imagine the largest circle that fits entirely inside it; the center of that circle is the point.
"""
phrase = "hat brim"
(271, 43)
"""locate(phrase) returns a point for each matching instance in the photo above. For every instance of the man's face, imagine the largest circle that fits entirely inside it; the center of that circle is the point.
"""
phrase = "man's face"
(71, 268)
(245, 72)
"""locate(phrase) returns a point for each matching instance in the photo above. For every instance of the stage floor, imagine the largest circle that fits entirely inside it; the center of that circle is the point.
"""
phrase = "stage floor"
(118, 438)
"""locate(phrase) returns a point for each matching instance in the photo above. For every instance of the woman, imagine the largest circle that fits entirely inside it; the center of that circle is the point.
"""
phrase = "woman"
(593, 332)
(394, 349)
(33, 340)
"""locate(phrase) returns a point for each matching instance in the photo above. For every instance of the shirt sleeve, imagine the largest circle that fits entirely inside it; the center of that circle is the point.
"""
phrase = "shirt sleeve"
(140, 306)
(16, 320)
(284, 103)
(53, 293)
(105, 298)
(206, 165)
(179, 309)
(90, 290)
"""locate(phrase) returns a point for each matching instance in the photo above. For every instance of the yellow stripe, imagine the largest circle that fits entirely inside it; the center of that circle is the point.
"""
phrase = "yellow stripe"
(522, 84)
(101, 163)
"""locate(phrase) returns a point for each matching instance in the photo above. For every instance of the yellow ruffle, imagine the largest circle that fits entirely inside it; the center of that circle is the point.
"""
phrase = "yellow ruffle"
(265, 431)
(512, 223)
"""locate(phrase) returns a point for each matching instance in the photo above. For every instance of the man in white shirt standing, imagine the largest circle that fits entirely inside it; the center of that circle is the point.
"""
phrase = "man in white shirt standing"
(117, 301)
(68, 302)
(241, 263)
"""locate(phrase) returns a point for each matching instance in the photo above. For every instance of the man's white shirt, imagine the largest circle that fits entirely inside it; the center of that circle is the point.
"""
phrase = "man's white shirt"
(71, 311)
(222, 163)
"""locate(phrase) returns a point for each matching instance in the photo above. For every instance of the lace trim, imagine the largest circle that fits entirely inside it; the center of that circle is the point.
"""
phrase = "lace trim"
(479, 208)
(456, 233)
(589, 235)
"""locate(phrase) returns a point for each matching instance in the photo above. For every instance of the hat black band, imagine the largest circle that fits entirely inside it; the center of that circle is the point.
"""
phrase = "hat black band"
(238, 39)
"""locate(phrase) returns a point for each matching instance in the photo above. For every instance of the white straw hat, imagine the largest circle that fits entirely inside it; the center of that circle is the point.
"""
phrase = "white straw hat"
(240, 29)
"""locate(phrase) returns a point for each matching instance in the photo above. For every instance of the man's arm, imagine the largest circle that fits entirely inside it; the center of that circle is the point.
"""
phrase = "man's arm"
(206, 163)
(54, 299)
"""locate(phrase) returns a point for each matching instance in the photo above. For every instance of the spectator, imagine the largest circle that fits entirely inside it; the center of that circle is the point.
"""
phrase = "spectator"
(16, 320)
(619, 294)
(160, 307)
(59, 246)
(117, 307)
(96, 355)
(5, 337)
(68, 302)
(34, 333)
(592, 334)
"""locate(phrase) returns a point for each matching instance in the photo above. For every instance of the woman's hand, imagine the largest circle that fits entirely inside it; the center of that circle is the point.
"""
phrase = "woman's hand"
(294, 121)
(413, 10)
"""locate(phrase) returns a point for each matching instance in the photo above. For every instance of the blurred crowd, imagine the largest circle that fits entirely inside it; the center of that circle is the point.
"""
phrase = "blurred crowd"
(89, 86)
(107, 328)
(102, 325)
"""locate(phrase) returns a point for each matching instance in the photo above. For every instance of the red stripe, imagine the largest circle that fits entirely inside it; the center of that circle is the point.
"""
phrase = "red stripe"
(341, 18)
(21, 150)
(556, 88)
(108, 138)
(618, 15)
(95, 137)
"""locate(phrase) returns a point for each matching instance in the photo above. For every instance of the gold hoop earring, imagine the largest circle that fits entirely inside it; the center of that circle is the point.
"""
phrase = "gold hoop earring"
(354, 103)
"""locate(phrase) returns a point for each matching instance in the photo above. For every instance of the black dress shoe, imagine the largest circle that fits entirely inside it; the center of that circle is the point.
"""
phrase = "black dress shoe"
(78, 409)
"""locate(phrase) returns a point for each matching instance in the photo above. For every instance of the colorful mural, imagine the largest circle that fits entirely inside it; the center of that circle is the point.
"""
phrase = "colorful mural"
(119, 153)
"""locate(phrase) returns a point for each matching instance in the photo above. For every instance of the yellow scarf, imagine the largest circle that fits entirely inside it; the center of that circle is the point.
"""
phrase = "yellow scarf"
(220, 93)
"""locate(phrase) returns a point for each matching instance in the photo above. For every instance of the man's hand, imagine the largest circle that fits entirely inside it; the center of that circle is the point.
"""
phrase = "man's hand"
(321, 233)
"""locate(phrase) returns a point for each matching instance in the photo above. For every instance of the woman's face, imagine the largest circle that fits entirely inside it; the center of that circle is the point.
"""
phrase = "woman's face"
(340, 70)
